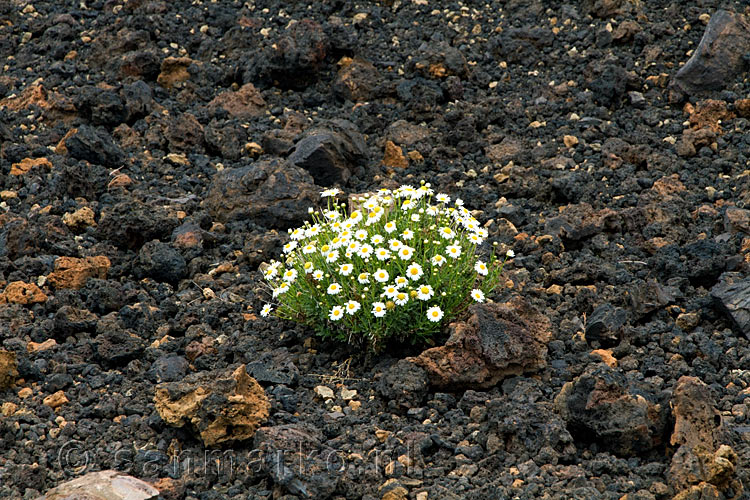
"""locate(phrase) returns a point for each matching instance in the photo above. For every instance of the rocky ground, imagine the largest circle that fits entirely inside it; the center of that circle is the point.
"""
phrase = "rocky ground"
(154, 153)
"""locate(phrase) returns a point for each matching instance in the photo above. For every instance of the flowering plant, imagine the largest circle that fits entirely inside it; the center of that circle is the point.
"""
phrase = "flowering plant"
(396, 266)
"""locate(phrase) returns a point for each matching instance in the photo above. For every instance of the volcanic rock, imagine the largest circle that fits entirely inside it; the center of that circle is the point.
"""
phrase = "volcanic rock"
(161, 262)
(599, 405)
(732, 296)
(8, 369)
(19, 292)
(720, 55)
(270, 193)
(244, 104)
(356, 80)
(329, 154)
(405, 384)
(103, 485)
(71, 272)
(221, 406)
(94, 145)
(283, 447)
(701, 460)
(498, 340)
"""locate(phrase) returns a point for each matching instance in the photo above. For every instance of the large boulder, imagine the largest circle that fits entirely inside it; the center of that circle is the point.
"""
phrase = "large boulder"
(720, 56)
(601, 406)
(269, 193)
(221, 405)
(103, 485)
(497, 341)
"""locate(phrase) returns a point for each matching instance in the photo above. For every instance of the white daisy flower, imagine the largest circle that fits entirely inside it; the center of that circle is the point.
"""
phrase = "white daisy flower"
(312, 231)
(401, 281)
(355, 216)
(414, 271)
(425, 292)
(443, 198)
(290, 275)
(432, 211)
(331, 215)
(482, 232)
(390, 291)
(406, 253)
(363, 278)
(332, 256)
(474, 238)
(459, 202)
(345, 235)
(329, 192)
(266, 310)
(434, 314)
(381, 275)
(390, 227)
(401, 298)
(308, 249)
(477, 295)
(308, 267)
(408, 205)
(453, 251)
(438, 260)
(360, 234)
(365, 251)
(346, 269)
(394, 244)
(447, 233)
(298, 234)
(378, 309)
(415, 217)
(289, 247)
(336, 313)
(370, 204)
(270, 273)
(407, 234)
(317, 275)
(352, 247)
(377, 239)
(510, 254)
(282, 288)
(352, 307)
(481, 268)
(382, 253)
(333, 289)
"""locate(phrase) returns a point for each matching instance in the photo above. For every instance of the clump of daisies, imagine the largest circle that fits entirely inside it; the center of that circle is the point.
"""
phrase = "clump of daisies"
(398, 265)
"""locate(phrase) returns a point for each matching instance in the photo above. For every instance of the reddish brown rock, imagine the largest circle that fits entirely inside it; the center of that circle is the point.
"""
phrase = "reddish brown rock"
(80, 219)
(8, 369)
(27, 164)
(222, 406)
(708, 113)
(245, 104)
(498, 340)
(692, 140)
(701, 461)
(71, 272)
(742, 106)
(394, 156)
(19, 292)
(173, 71)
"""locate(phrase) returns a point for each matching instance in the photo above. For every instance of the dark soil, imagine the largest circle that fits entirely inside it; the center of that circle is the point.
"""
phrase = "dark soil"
(180, 139)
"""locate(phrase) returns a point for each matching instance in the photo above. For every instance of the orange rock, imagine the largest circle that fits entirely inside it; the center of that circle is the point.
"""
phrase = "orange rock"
(415, 156)
(33, 347)
(708, 113)
(31, 96)
(61, 147)
(80, 219)
(244, 104)
(55, 400)
(743, 107)
(19, 292)
(71, 272)
(174, 70)
(27, 164)
(394, 156)
(25, 392)
(606, 355)
(121, 180)
(668, 185)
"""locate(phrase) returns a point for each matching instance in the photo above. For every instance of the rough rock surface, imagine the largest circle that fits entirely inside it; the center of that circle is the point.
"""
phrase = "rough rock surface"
(732, 296)
(222, 407)
(272, 193)
(497, 341)
(103, 485)
(719, 57)
(19, 292)
(330, 154)
(600, 405)
(702, 462)
(8, 369)
(71, 272)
